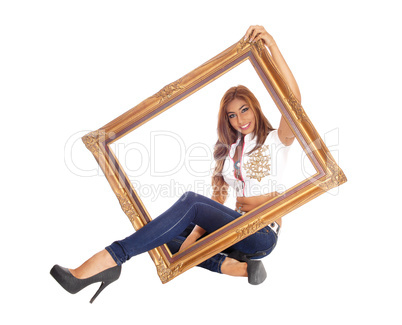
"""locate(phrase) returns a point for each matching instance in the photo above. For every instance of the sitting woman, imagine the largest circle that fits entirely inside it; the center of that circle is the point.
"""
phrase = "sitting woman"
(244, 137)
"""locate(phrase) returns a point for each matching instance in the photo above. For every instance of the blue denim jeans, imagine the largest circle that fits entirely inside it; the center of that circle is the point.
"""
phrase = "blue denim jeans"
(171, 225)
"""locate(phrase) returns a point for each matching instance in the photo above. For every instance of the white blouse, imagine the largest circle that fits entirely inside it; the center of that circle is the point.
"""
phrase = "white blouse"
(261, 171)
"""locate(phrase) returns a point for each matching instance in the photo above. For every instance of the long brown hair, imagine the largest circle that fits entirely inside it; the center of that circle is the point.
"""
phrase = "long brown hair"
(227, 135)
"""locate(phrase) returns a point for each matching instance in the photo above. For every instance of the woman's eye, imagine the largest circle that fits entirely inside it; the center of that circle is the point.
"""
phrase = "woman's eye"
(232, 115)
(245, 109)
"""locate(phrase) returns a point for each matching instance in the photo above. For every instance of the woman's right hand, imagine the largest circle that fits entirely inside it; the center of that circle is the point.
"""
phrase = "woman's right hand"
(256, 33)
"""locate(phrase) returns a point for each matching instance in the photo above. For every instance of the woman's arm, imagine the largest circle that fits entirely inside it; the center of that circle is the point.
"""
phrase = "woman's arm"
(255, 33)
(258, 32)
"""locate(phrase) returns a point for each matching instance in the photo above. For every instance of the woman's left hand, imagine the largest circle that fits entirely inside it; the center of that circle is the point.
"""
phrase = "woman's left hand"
(255, 33)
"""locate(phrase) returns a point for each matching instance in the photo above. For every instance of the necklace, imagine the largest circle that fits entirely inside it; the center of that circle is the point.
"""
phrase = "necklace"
(237, 163)
(237, 168)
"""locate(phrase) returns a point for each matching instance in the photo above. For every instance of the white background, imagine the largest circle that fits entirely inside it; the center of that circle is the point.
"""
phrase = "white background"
(68, 67)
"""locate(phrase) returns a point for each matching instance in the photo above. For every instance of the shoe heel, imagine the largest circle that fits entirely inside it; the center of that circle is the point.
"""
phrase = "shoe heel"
(102, 286)
(255, 269)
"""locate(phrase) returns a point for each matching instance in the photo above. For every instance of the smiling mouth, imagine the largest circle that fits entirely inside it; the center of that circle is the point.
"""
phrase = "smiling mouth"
(245, 126)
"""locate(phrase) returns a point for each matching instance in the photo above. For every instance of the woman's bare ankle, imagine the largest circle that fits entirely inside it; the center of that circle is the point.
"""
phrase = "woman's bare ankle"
(233, 267)
(96, 264)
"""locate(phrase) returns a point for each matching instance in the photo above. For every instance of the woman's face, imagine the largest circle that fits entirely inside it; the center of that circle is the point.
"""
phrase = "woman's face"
(241, 116)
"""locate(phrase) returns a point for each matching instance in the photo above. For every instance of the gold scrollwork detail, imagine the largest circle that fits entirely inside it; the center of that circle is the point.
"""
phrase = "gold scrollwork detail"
(92, 139)
(296, 106)
(337, 176)
(165, 273)
(250, 229)
(259, 46)
(168, 91)
(241, 45)
(127, 207)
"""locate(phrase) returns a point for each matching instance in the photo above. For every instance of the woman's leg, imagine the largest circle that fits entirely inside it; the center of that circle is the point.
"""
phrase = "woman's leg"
(190, 208)
(257, 245)
(218, 263)
(96, 264)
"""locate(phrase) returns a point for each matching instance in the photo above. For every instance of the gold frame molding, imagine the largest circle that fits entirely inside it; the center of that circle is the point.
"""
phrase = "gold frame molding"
(328, 174)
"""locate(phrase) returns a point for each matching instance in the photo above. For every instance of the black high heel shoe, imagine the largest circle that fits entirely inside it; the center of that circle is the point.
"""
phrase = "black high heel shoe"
(255, 269)
(73, 285)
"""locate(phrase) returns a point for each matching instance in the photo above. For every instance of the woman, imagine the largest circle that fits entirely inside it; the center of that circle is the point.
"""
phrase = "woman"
(243, 134)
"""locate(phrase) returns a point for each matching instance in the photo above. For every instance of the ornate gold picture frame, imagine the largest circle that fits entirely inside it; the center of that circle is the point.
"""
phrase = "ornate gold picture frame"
(328, 174)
